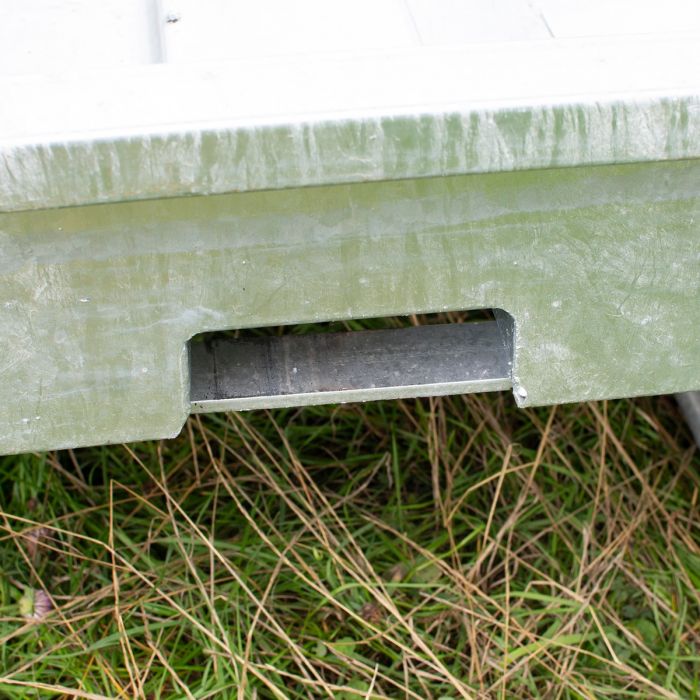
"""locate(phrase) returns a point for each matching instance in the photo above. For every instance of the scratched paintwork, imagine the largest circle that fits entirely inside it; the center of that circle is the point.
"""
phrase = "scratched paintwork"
(599, 266)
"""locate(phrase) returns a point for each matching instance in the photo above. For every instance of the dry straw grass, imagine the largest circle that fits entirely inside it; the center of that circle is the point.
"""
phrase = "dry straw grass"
(446, 548)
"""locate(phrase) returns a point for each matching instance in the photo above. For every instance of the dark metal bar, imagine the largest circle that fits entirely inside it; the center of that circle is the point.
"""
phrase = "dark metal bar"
(296, 370)
(690, 407)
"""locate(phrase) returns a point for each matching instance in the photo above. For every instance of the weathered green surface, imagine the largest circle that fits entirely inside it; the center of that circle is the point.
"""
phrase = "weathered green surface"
(71, 138)
(499, 139)
(599, 266)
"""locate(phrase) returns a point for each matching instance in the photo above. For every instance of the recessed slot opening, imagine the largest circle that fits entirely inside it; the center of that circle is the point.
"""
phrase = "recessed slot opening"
(358, 360)
(360, 324)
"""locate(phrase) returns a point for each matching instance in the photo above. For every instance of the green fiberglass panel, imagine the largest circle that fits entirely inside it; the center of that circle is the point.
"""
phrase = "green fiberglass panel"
(599, 267)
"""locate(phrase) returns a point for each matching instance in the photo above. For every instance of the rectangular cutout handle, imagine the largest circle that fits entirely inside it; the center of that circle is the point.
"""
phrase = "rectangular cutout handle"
(296, 370)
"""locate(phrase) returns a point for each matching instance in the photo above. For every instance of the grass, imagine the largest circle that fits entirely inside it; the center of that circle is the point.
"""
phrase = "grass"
(445, 548)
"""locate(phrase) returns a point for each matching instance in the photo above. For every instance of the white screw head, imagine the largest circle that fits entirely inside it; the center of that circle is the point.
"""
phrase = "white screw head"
(521, 392)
